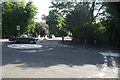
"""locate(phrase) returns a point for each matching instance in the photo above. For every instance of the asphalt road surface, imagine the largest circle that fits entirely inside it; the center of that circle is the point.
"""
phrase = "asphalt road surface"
(52, 59)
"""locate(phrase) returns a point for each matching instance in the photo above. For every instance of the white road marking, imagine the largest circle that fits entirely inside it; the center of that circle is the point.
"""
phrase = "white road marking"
(30, 51)
(24, 46)
(33, 51)
(105, 69)
(110, 54)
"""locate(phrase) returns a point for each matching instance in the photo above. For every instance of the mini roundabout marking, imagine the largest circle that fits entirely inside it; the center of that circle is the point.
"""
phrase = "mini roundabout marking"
(31, 48)
(25, 46)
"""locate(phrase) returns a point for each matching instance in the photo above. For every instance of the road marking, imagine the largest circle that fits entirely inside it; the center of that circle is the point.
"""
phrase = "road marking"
(24, 46)
(109, 69)
(110, 54)
(109, 61)
(33, 51)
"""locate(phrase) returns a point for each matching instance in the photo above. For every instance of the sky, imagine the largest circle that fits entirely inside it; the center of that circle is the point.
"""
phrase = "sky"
(43, 8)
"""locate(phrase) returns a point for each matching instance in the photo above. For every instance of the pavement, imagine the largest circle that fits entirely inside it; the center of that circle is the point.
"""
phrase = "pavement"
(52, 59)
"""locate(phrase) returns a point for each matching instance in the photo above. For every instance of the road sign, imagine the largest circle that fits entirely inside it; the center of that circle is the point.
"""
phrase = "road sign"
(18, 27)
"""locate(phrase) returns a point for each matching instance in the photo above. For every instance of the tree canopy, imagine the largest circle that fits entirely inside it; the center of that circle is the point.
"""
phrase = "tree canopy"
(112, 20)
(17, 13)
(42, 29)
(85, 20)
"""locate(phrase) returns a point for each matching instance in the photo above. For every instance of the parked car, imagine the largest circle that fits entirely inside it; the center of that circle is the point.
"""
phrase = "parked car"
(23, 39)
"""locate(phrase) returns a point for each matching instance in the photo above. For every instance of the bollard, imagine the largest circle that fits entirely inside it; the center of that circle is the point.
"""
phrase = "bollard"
(95, 41)
(85, 41)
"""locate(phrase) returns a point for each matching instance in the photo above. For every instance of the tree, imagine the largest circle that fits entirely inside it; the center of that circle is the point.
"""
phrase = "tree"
(78, 17)
(0, 21)
(42, 29)
(81, 21)
(56, 17)
(56, 22)
(112, 20)
(62, 7)
(17, 13)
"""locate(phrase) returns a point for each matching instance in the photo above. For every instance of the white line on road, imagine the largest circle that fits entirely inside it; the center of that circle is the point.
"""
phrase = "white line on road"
(24, 46)
(109, 61)
(109, 69)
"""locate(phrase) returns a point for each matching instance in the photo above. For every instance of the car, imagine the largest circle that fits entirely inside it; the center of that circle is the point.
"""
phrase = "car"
(23, 39)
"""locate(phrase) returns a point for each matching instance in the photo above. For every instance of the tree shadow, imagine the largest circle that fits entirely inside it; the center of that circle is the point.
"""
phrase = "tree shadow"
(66, 55)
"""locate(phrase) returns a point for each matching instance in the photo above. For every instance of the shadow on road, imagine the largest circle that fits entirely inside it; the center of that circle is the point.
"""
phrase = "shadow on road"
(59, 54)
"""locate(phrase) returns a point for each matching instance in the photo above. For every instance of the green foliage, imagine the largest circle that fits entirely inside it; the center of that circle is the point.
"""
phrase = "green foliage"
(0, 20)
(62, 7)
(56, 18)
(42, 29)
(77, 21)
(81, 22)
(17, 13)
(112, 21)
(56, 22)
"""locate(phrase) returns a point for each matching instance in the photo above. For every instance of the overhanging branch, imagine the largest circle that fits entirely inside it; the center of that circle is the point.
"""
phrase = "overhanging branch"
(96, 14)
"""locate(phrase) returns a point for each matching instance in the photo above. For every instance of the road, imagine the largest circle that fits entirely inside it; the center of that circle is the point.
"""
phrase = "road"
(52, 59)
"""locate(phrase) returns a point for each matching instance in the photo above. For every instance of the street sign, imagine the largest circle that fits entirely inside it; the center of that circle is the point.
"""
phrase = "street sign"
(18, 27)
